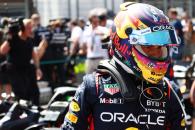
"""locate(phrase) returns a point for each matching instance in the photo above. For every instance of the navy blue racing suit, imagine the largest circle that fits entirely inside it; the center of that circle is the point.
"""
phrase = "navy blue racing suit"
(99, 105)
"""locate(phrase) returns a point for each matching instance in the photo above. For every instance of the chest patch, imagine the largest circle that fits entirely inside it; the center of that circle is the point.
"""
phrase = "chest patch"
(111, 88)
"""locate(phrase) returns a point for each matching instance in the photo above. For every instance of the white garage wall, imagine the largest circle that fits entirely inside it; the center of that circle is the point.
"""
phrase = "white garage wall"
(52, 9)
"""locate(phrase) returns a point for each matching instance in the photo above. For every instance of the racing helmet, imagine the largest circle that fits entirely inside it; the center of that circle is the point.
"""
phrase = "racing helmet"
(138, 25)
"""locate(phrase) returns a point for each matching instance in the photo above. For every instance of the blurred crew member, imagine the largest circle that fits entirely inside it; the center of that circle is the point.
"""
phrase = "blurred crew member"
(22, 74)
(42, 37)
(58, 42)
(76, 34)
(92, 44)
(4, 79)
(176, 52)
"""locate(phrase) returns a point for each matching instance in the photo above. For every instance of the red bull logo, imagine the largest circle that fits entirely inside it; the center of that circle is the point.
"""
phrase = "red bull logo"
(122, 48)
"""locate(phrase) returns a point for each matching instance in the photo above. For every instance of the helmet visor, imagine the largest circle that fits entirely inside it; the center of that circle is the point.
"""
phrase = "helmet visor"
(158, 35)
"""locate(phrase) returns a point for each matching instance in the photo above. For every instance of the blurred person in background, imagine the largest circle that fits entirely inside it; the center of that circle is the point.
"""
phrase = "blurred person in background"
(76, 34)
(58, 43)
(4, 79)
(102, 15)
(176, 52)
(1, 35)
(104, 21)
(19, 49)
(107, 23)
(39, 32)
(82, 23)
(189, 37)
(92, 44)
(4, 24)
(75, 39)
(42, 37)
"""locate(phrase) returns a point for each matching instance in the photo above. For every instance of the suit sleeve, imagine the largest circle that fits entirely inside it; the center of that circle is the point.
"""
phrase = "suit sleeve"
(80, 107)
(177, 121)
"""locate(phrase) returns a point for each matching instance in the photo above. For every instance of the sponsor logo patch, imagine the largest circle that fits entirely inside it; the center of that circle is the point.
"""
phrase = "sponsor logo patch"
(111, 88)
(162, 27)
(144, 119)
(183, 123)
(111, 100)
(151, 104)
(71, 117)
(74, 106)
(132, 128)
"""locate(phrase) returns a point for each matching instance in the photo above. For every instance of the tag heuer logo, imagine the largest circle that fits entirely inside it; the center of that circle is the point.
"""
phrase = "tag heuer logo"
(111, 88)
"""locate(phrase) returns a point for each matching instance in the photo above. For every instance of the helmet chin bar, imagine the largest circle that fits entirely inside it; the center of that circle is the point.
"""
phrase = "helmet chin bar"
(129, 93)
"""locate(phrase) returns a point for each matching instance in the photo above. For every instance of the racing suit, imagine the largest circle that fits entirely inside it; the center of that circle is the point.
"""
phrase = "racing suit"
(98, 104)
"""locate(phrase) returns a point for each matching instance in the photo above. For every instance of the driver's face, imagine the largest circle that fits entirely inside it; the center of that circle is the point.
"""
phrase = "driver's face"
(153, 51)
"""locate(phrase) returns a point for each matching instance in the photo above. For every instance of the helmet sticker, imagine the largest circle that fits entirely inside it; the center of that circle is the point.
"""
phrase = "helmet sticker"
(162, 27)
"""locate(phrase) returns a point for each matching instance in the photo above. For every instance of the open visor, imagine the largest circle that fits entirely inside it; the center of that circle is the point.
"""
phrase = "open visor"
(155, 36)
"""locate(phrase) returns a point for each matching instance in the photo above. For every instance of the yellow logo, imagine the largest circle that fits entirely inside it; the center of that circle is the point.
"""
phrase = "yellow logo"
(71, 117)
(132, 128)
(183, 123)
(74, 106)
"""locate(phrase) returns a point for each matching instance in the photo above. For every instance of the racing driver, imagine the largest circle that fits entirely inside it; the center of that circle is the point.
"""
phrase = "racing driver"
(130, 91)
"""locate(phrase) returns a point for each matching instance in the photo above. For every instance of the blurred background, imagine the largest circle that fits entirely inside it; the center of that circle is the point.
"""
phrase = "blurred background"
(61, 65)
(50, 15)
(61, 32)
(52, 9)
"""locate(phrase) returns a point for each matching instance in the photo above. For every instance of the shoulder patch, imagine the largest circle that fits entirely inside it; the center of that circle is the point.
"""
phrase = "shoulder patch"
(71, 117)
(74, 106)
(132, 128)
(183, 124)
